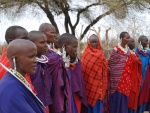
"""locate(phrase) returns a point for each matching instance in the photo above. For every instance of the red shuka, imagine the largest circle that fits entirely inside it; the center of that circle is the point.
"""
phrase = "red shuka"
(136, 80)
(94, 67)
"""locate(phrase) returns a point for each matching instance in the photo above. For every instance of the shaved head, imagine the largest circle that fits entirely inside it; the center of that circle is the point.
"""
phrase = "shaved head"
(22, 56)
(15, 32)
(35, 35)
(19, 46)
(50, 32)
(66, 39)
(40, 40)
(142, 38)
(45, 27)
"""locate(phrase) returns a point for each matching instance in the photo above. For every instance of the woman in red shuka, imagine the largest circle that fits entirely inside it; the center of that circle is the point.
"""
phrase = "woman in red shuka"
(94, 67)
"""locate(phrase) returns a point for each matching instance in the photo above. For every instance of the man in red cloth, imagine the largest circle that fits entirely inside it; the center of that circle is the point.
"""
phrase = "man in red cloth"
(136, 78)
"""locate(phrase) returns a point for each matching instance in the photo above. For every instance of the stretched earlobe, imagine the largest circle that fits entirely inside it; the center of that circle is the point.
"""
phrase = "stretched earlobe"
(14, 62)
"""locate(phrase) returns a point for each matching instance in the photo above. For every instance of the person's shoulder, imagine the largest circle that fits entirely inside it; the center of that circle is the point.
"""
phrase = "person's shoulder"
(9, 82)
(9, 87)
(53, 56)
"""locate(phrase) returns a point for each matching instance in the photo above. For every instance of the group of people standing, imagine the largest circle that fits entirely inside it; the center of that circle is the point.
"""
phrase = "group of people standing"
(41, 73)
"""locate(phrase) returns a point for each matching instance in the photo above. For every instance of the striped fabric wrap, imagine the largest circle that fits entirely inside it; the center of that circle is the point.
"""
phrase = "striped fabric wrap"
(4, 60)
(116, 65)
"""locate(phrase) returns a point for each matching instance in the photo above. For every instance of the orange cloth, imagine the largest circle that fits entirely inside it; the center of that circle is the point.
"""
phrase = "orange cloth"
(4, 60)
(94, 67)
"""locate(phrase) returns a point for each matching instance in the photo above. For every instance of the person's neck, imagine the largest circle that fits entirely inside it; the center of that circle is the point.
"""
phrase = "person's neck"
(72, 60)
(123, 45)
(39, 56)
(22, 73)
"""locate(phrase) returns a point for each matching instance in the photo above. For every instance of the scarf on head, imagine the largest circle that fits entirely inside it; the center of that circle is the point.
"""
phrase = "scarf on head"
(94, 67)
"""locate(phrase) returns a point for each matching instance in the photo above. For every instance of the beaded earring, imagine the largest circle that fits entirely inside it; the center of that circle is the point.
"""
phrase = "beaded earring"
(66, 58)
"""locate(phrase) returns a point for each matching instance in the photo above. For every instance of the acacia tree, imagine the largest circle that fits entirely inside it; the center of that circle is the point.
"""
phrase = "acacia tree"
(82, 9)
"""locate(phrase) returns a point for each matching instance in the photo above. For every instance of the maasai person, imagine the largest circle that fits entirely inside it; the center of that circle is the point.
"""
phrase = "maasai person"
(119, 75)
(41, 79)
(50, 32)
(136, 78)
(61, 88)
(144, 54)
(94, 67)
(16, 95)
(13, 32)
(69, 43)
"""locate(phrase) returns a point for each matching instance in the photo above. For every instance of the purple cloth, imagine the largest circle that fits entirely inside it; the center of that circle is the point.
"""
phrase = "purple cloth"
(61, 88)
(49, 52)
(77, 85)
(16, 98)
(118, 103)
(42, 83)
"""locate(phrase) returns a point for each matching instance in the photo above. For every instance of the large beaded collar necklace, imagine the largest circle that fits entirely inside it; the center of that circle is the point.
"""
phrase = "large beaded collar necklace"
(42, 59)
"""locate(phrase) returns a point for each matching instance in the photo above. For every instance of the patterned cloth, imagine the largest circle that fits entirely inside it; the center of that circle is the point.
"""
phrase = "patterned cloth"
(119, 64)
(120, 72)
(4, 60)
(94, 67)
(136, 80)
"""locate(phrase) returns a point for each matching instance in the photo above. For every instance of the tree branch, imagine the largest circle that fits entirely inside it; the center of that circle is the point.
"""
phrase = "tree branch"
(65, 9)
(95, 21)
(103, 15)
(82, 10)
(48, 13)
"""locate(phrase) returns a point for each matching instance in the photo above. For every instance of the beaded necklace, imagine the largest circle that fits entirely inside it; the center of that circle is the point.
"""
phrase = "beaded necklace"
(142, 49)
(42, 59)
(20, 77)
